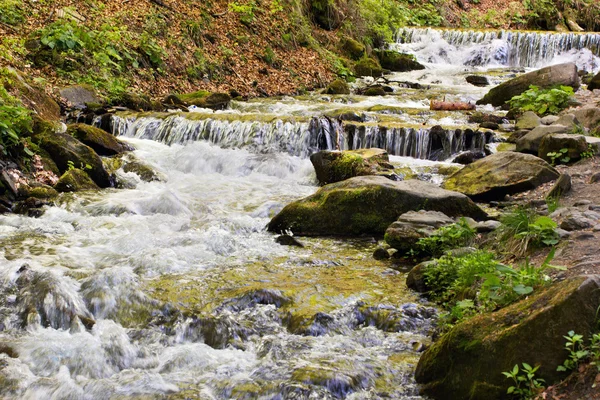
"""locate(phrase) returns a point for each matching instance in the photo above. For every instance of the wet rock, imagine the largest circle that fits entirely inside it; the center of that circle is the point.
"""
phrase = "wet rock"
(254, 297)
(138, 102)
(501, 174)
(101, 142)
(555, 142)
(398, 62)
(468, 157)
(368, 67)
(403, 234)
(288, 240)
(68, 152)
(339, 86)
(530, 142)
(381, 254)
(479, 117)
(335, 166)
(351, 116)
(561, 186)
(529, 120)
(594, 82)
(489, 125)
(468, 361)
(375, 91)
(415, 279)
(478, 80)
(549, 119)
(560, 74)
(367, 205)
(75, 180)
(204, 99)
(80, 96)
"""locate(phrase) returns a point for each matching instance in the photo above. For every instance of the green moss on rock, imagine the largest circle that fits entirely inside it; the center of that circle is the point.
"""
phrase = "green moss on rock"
(367, 205)
(339, 86)
(100, 141)
(353, 48)
(399, 62)
(468, 361)
(75, 180)
(368, 67)
(204, 99)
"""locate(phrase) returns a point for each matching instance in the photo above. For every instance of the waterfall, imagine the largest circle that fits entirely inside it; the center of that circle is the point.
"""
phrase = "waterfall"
(501, 47)
(301, 138)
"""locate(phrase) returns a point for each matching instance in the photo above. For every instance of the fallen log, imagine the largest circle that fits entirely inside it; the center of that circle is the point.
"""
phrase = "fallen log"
(450, 105)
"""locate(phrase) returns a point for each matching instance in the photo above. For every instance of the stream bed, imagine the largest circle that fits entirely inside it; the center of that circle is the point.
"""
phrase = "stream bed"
(173, 288)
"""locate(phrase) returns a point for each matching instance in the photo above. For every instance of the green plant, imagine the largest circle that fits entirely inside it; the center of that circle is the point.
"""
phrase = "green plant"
(595, 350)
(245, 11)
(269, 56)
(15, 120)
(11, 12)
(152, 51)
(542, 101)
(577, 351)
(589, 153)
(523, 228)
(82, 166)
(445, 238)
(526, 385)
(553, 203)
(560, 155)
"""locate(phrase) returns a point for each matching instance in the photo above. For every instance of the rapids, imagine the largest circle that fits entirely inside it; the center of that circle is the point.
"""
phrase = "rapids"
(173, 288)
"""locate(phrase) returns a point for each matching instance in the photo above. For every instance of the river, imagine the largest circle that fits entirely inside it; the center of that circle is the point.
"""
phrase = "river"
(173, 288)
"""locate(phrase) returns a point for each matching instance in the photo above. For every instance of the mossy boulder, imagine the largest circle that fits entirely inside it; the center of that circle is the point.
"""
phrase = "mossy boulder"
(339, 86)
(467, 362)
(354, 49)
(497, 175)
(375, 91)
(367, 205)
(66, 151)
(75, 180)
(553, 143)
(102, 142)
(204, 99)
(560, 74)
(398, 62)
(335, 166)
(138, 102)
(40, 191)
(32, 96)
(368, 67)
(594, 82)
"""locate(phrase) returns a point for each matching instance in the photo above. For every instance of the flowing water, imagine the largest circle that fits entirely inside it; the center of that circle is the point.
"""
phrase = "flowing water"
(173, 288)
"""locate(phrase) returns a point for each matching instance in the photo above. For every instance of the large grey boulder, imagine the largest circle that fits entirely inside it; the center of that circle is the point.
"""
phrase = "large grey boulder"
(529, 120)
(412, 226)
(467, 362)
(499, 174)
(555, 142)
(560, 74)
(367, 205)
(530, 143)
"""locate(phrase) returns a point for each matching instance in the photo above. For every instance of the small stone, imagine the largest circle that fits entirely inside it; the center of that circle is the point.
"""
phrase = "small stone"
(487, 226)
(489, 125)
(549, 119)
(576, 223)
(381, 254)
(582, 203)
(596, 228)
(562, 234)
(528, 120)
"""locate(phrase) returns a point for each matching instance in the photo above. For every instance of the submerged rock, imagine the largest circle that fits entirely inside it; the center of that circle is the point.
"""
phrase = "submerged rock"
(478, 80)
(102, 142)
(288, 240)
(367, 205)
(467, 362)
(560, 74)
(499, 174)
(335, 166)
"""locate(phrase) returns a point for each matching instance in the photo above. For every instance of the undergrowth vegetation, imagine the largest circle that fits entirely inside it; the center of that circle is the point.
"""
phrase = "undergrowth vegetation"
(15, 120)
(543, 101)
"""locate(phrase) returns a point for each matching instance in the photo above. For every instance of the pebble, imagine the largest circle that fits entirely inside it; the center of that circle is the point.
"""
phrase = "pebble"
(582, 203)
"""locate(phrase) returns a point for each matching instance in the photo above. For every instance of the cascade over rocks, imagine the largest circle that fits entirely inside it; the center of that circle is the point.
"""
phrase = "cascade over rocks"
(561, 74)
(367, 205)
(497, 175)
(335, 166)
(467, 362)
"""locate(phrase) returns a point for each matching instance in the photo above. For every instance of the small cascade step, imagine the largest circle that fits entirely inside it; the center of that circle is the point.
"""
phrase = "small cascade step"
(499, 47)
(302, 138)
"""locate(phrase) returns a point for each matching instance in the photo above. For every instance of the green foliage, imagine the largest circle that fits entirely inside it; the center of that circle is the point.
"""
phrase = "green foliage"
(15, 120)
(595, 350)
(560, 155)
(577, 352)
(542, 101)
(71, 166)
(523, 228)
(446, 238)
(152, 50)
(525, 384)
(11, 12)
(589, 153)
(245, 11)
(269, 56)
(553, 203)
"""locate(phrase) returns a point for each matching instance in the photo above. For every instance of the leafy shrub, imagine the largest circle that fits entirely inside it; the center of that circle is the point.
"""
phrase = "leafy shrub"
(245, 11)
(542, 101)
(526, 385)
(446, 238)
(11, 13)
(523, 228)
(15, 120)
